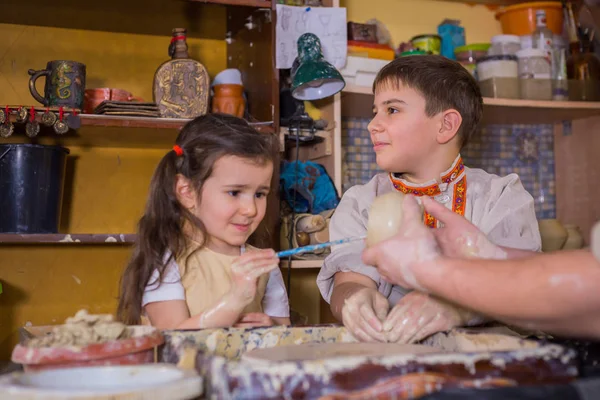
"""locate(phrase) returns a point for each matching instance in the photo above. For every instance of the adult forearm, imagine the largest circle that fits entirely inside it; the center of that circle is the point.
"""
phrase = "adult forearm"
(517, 253)
(554, 292)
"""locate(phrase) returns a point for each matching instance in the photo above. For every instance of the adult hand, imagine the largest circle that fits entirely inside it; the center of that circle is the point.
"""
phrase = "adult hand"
(459, 238)
(246, 270)
(252, 320)
(363, 314)
(418, 315)
(396, 257)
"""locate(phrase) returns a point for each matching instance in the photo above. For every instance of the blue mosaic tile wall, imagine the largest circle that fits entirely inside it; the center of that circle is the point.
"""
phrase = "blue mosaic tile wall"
(526, 150)
(358, 157)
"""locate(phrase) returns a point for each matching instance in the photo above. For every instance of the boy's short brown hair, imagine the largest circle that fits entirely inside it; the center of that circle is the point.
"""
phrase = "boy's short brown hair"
(444, 84)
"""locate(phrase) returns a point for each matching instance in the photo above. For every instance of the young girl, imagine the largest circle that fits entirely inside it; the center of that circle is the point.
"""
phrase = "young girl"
(191, 267)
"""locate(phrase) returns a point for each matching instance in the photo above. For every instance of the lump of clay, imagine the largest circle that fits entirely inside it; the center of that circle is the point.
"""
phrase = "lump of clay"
(81, 330)
(385, 217)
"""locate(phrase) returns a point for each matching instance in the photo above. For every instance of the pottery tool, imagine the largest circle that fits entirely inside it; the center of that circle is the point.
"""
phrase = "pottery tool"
(313, 247)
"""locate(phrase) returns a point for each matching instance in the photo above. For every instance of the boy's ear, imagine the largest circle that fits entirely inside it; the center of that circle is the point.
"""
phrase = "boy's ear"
(450, 124)
(186, 195)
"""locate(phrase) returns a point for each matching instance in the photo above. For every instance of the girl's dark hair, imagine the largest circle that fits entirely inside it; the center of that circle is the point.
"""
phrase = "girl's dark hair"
(203, 140)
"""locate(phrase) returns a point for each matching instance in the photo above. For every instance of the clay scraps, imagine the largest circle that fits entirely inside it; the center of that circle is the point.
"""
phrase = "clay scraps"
(81, 330)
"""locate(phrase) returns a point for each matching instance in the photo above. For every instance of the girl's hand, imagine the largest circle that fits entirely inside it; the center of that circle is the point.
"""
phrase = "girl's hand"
(246, 270)
(252, 320)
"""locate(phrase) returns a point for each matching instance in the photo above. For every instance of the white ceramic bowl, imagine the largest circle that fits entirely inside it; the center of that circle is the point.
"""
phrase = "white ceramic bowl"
(228, 76)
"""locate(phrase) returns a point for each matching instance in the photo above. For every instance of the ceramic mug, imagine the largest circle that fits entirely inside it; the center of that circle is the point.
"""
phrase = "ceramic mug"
(65, 84)
(94, 97)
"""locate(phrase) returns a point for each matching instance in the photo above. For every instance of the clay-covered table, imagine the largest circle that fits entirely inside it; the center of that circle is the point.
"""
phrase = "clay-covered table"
(462, 358)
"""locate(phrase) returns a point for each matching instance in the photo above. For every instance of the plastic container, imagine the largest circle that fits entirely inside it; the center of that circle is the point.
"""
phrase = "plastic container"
(468, 55)
(415, 52)
(500, 66)
(505, 45)
(453, 36)
(534, 74)
(31, 187)
(430, 43)
(361, 71)
(519, 19)
(504, 88)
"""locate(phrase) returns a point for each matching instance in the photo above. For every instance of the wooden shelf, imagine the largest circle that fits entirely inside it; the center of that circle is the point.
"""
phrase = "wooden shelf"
(488, 2)
(64, 238)
(357, 101)
(117, 131)
(247, 3)
(155, 123)
(203, 19)
(509, 111)
(302, 264)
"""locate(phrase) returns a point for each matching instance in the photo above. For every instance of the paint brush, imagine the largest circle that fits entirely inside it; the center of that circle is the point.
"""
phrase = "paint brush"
(313, 247)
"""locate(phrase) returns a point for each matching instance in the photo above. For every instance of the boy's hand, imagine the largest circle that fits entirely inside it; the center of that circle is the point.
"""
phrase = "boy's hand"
(418, 315)
(252, 320)
(246, 270)
(363, 314)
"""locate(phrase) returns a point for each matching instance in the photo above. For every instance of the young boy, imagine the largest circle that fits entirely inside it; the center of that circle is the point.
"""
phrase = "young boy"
(425, 110)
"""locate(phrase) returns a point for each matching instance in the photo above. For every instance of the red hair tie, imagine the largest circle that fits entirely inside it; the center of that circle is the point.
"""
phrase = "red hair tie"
(178, 150)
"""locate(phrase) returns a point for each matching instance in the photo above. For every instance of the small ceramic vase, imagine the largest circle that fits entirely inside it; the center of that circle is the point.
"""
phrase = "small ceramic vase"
(574, 238)
(229, 99)
(554, 234)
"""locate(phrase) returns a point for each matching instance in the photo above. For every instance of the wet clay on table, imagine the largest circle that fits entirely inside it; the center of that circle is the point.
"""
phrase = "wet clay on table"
(318, 351)
(81, 330)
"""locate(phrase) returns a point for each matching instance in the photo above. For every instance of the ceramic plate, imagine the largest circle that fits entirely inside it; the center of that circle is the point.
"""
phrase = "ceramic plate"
(133, 382)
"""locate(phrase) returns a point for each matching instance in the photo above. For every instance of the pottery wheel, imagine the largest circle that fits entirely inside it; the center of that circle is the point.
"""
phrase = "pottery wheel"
(317, 351)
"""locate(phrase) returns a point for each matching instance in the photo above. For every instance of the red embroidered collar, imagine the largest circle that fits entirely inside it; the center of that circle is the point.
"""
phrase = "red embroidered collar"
(459, 192)
(432, 189)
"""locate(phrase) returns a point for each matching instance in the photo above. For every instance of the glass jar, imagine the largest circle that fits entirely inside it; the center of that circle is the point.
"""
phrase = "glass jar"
(468, 55)
(499, 76)
(505, 45)
(499, 66)
(535, 74)
(583, 71)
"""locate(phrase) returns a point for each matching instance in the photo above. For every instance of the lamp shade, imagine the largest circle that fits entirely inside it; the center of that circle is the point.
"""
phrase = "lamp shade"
(313, 77)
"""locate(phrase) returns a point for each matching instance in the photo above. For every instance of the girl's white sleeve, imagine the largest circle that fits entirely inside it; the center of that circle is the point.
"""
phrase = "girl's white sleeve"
(170, 288)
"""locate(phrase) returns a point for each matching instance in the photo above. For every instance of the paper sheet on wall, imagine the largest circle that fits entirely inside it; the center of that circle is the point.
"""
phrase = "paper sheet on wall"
(328, 23)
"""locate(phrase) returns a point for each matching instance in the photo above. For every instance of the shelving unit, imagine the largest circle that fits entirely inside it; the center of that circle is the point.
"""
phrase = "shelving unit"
(118, 131)
(47, 278)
